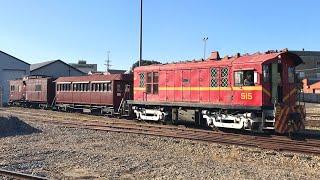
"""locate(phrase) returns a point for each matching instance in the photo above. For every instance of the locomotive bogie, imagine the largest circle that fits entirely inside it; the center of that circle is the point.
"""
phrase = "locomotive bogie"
(155, 114)
(254, 121)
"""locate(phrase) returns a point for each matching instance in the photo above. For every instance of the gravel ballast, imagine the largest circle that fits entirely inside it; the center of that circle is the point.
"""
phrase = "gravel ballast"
(58, 152)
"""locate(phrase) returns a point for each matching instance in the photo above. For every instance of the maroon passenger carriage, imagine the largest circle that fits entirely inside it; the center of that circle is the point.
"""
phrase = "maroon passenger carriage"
(99, 93)
(17, 94)
(32, 91)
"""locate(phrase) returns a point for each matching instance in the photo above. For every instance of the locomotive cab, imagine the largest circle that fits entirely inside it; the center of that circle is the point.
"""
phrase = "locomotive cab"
(279, 80)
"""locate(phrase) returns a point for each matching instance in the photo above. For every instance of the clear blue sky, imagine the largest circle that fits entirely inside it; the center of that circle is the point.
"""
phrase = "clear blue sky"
(40, 30)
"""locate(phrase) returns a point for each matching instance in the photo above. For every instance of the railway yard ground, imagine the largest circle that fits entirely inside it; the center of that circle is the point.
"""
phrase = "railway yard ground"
(60, 152)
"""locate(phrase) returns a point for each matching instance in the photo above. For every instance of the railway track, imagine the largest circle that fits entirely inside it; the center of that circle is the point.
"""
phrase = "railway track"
(313, 115)
(271, 142)
(313, 122)
(18, 175)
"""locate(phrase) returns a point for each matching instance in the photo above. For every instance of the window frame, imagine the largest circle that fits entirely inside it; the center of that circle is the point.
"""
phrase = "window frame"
(152, 87)
(244, 72)
(241, 78)
(291, 79)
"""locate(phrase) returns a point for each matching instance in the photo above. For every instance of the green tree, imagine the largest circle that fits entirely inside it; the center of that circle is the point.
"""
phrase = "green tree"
(144, 63)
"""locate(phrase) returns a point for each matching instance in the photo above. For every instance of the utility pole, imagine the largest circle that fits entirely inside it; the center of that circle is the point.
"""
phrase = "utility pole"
(140, 57)
(107, 63)
(205, 39)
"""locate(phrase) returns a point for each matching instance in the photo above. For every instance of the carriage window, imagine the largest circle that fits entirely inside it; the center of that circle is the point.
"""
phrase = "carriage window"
(92, 87)
(152, 83)
(38, 88)
(119, 88)
(224, 77)
(106, 87)
(101, 87)
(12, 88)
(109, 87)
(266, 73)
(291, 74)
(95, 87)
(245, 78)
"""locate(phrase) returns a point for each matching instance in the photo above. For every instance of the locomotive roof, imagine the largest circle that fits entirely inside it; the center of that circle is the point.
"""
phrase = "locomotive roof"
(96, 77)
(259, 58)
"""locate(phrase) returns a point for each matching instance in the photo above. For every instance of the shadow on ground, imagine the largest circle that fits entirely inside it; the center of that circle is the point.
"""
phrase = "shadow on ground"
(13, 126)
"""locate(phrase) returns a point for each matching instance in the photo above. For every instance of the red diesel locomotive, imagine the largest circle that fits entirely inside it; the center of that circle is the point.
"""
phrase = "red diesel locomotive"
(254, 92)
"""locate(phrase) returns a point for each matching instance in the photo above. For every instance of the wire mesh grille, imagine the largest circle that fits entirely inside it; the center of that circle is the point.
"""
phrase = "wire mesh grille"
(142, 80)
(224, 77)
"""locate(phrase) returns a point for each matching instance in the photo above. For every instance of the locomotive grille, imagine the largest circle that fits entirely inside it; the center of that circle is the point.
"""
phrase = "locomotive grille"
(224, 77)
(142, 80)
(214, 73)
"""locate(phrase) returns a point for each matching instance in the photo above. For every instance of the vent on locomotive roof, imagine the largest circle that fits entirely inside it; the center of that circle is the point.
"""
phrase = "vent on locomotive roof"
(214, 55)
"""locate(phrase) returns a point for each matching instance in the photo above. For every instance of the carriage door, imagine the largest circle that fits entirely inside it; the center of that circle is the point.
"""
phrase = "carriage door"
(186, 85)
(276, 86)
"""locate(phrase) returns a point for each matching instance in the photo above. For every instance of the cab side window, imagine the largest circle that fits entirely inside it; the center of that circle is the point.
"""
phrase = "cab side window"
(244, 78)
(266, 73)
(291, 74)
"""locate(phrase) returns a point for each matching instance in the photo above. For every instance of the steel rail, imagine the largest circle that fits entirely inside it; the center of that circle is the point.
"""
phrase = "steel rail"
(18, 175)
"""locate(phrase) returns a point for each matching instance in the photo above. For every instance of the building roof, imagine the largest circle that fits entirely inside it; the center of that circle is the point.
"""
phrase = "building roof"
(40, 65)
(306, 53)
(14, 57)
(36, 66)
(95, 77)
(111, 71)
(116, 71)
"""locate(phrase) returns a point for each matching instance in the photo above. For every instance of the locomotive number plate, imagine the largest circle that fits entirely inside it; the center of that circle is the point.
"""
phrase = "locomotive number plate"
(246, 96)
